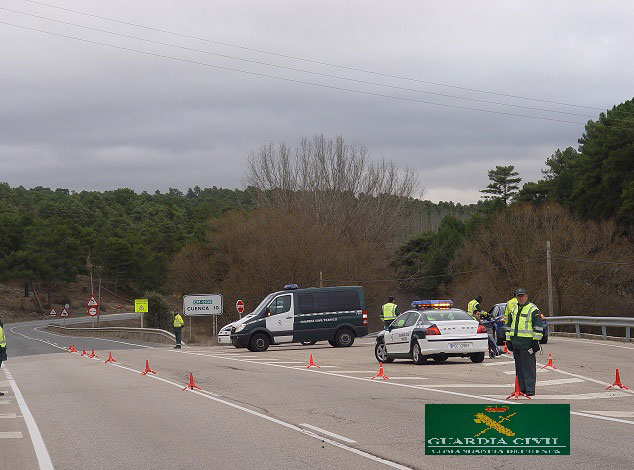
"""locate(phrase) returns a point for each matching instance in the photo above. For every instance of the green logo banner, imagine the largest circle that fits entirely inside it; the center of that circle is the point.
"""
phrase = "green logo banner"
(530, 429)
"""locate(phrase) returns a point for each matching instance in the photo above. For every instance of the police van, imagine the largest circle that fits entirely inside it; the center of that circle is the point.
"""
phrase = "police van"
(294, 315)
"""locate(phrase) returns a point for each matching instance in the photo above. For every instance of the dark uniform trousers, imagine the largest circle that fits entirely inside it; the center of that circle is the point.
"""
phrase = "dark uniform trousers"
(177, 334)
(525, 370)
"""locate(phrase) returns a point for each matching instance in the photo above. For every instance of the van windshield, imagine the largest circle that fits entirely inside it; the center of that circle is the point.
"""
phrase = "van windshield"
(262, 304)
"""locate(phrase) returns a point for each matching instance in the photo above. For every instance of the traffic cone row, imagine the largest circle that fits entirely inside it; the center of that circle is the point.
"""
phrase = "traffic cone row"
(311, 363)
(517, 392)
(617, 382)
(550, 362)
(381, 373)
(110, 358)
(191, 384)
(147, 368)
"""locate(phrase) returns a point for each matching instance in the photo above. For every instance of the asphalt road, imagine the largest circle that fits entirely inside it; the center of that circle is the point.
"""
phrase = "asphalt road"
(267, 410)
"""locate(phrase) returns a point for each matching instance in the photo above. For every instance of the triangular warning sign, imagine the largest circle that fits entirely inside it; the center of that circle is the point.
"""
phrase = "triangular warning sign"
(64, 313)
(92, 302)
(53, 313)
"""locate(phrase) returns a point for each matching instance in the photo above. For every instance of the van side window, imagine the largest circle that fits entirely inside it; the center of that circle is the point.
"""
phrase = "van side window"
(306, 303)
(335, 301)
(281, 304)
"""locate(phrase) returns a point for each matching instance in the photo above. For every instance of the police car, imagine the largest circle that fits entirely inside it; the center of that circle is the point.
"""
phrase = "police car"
(432, 329)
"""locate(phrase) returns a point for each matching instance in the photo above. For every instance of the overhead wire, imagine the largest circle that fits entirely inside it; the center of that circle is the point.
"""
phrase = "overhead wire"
(305, 82)
(317, 62)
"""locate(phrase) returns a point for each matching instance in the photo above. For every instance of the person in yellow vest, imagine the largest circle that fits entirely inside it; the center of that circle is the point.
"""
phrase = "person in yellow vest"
(3, 347)
(510, 305)
(178, 328)
(524, 329)
(474, 309)
(389, 312)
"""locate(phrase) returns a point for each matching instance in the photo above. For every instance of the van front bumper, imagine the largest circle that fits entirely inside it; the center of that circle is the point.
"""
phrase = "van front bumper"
(240, 341)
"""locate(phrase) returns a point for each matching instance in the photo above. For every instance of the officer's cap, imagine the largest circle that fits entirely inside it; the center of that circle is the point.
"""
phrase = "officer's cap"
(520, 291)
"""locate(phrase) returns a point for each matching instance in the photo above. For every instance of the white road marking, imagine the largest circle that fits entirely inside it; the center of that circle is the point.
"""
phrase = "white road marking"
(302, 367)
(539, 371)
(488, 364)
(8, 415)
(572, 340)
(282, 362)
(540, 383)
(328, 433)
(613, 414)
(408, 378)
(355, 372)
(585, 378)
(578, 396)
(11, 435)
(5, 402)
(43, 458)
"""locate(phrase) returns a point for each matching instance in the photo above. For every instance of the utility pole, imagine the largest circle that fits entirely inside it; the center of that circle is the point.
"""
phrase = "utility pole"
(550, 280)
(321, 279)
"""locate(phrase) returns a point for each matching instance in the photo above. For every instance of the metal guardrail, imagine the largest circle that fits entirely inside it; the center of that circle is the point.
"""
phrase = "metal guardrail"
(150, 335)
(603, 322)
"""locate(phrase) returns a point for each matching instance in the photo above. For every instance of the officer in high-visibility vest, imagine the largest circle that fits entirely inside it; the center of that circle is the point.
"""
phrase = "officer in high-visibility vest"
(524, 329)
(178, 327)
(389, 312)
(510, 305)
(474, 309)
(3, 347)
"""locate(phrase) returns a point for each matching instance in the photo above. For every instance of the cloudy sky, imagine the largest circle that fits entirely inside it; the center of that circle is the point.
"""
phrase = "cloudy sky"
(166, 111)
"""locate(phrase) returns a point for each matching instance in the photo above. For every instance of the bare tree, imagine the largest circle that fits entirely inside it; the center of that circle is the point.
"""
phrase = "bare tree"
(336, 183)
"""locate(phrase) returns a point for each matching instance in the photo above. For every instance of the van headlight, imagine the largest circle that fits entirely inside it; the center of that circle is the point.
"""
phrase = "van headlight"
(240, 328)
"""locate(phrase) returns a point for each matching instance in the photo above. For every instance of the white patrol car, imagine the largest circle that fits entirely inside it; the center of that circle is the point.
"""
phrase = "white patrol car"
(433, 328)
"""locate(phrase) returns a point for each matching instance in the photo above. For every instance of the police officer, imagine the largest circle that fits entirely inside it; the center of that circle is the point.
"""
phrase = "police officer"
(3, 347)
(524, 329)
(178, 328)
(510, 305)
(389, 312)
(474, 309)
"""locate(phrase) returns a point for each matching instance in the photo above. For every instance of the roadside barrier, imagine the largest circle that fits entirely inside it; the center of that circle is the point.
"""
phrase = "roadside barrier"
(148, 335)
(147, 368)
(617, 382)
(517, 393)
(312, 364)
(381, 373)
(191, 384)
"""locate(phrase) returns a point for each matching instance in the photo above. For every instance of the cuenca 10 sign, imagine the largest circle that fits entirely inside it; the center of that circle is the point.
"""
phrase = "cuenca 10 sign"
(202, 304)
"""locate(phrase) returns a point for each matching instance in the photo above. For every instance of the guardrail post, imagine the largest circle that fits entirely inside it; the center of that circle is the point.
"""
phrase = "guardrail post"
(628, 338)
(603, 332)
(577, 331)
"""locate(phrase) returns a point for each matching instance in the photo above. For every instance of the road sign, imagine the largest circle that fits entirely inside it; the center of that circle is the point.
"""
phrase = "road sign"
(140, 305)
(64, 312)
(202, 304)
(52, 313)
(92, 302)
(93, 311)
(240, 306)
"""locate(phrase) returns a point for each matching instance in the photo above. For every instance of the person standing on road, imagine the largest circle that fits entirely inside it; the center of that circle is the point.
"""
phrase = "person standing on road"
(389, 312)
(524, 329)
(3, 347)
(510, 305)
(474, 309)
(178, 328)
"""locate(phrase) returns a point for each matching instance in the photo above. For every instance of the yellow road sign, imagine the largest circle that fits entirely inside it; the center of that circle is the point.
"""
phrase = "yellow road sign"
(140, 305)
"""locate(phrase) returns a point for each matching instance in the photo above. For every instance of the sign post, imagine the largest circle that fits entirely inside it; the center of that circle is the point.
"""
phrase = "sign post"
(93, 308)
(53, 314)
(141, 306)
(240, 307)
(203, 305)
(64, 313)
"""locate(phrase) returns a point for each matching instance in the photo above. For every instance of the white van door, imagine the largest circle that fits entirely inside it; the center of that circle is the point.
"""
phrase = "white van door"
(281, 319)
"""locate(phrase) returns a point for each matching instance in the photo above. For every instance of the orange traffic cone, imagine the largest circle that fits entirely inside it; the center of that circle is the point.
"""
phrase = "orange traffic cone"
(110, 358)
(381, 373)
(92, 354)
(147, 368)
(506, 349)
(71, 348)
(312, 364)
(617, 382)
(191, 384)
(83, 352)
(517, 393)
(550, 362)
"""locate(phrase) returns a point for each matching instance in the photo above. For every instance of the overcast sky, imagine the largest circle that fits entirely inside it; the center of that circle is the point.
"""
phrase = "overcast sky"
(79, 115)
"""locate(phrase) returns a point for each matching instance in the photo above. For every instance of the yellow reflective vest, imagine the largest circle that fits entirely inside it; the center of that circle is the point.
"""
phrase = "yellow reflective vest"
(3, 339)
(388, 312)
(524, 325)
(471, 307)
(510, 305)
(178, 321)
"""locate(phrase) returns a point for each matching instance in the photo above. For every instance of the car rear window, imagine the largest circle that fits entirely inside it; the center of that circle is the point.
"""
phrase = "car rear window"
(330, 301)
(432, 316)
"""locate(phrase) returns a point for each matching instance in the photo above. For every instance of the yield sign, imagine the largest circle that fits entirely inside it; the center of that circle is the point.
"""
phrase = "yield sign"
(64, 313)
(52, 313)
(92, 302)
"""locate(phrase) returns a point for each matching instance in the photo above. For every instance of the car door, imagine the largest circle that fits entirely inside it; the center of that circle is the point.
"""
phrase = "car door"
(404, 339)
(393, 336)
(280, 318)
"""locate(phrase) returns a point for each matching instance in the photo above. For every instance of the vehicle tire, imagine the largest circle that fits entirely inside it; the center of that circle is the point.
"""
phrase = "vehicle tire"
(332, 343)
(440, 358)
(380, 352)
(417, 356)
(308, 343)
(477, 358)
(259, 342)
(344, 338)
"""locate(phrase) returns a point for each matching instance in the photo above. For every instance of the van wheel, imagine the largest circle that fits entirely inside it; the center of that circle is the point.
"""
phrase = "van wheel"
(417, 356)
(344, 338)
(332, 343)
(308, 343)
(259, 342)
(477, 357)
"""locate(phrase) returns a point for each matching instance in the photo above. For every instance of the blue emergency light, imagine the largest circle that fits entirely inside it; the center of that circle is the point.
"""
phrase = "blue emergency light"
(291, 287)
(432, 304)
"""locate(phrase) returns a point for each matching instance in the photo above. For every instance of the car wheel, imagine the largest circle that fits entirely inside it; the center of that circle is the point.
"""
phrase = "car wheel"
(344, 338)
(417, 356)
(440, 357)
(259, 342)
(332, 343)
(380, 352)
(477, 357)
(308, 343)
